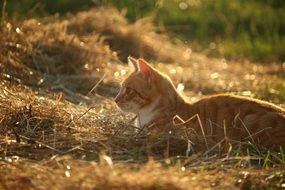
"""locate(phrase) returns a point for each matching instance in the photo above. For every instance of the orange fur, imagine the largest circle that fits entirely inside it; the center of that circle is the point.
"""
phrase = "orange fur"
(152, 96)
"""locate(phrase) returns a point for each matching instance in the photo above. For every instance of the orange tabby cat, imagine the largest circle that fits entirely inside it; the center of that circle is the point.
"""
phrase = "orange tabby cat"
(153, 98)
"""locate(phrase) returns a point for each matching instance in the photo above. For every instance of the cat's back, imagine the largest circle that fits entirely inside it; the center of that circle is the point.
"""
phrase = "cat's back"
(235, 102)
(243, 117)
(227, 108)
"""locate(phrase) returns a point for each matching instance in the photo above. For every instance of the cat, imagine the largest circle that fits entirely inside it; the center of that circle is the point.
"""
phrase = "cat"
(152, 96)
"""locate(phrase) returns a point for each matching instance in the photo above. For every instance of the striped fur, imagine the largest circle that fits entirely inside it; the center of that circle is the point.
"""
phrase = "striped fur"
(241, 118)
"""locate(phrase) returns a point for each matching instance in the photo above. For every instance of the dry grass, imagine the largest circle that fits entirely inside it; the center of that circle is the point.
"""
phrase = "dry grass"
(53, 133)
(139, 39)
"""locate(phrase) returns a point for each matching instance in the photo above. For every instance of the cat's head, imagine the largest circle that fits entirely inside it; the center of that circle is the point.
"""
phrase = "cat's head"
(144, 86)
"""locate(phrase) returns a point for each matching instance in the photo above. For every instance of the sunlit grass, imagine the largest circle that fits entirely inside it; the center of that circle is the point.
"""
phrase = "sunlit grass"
(50, 136)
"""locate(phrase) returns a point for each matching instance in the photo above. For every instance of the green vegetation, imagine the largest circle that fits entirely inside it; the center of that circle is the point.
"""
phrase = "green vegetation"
(252, 29)
(237, 29)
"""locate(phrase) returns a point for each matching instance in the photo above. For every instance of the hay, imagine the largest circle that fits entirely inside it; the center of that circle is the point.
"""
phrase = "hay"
(51, 127)
(48, 62)
(35, 59)
(139, 39)
(43, 55)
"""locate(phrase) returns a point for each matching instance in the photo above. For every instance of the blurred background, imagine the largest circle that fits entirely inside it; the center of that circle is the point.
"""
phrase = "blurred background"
(237, 29)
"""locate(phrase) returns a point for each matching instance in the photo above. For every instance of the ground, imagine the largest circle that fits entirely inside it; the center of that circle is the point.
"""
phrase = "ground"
(57, 133)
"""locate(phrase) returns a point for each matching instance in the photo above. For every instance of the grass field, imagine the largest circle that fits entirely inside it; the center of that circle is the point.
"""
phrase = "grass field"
(56, 134)
(237, 30)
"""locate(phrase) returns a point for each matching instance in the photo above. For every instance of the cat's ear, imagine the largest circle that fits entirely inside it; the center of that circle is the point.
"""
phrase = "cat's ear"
(133, 63)
(145, 68)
